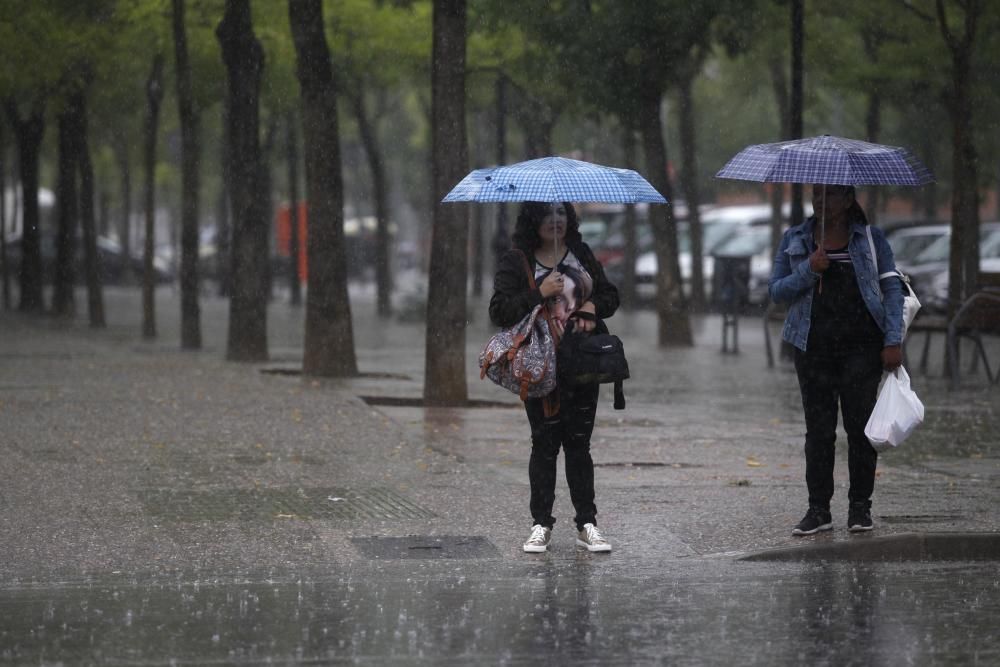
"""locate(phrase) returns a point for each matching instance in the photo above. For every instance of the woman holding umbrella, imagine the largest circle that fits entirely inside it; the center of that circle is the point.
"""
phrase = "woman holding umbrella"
(846, 326)
(572, 283)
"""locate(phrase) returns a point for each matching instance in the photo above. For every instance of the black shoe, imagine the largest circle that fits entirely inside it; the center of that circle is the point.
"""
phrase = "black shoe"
(859, 517)
(815, 520)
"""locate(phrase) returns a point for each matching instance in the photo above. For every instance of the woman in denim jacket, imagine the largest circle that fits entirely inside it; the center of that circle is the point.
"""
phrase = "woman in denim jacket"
(846, 327)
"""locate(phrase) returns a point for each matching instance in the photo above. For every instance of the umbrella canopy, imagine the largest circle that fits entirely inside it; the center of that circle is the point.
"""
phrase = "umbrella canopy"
(828, 160)
(555, 179)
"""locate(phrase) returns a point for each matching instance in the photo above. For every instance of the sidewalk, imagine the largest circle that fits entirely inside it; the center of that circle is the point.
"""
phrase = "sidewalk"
(163, 505)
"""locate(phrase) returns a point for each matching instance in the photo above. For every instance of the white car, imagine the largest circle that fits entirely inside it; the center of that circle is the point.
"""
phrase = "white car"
(718, 226)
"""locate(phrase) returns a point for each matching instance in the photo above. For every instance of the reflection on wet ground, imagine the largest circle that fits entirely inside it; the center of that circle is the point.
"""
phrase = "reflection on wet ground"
(577, 609)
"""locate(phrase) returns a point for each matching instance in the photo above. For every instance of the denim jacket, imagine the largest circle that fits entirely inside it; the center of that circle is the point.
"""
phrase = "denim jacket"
(792, 282)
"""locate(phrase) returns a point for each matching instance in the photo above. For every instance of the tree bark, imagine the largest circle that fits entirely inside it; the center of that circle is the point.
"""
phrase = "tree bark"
(373, 150)
(4, 267)
(292, 158)
(244, 60)
(689, 176)
(501, 236)
(873, 117)
(29, 132)
(779, 85)
(121, 151)
(627, 288)
(329, 339)
(91, 258)
(154, 96)
(795, 103)
(67, 213)
(963, 264)
(444, 379)
(674, 325)
(190, 185)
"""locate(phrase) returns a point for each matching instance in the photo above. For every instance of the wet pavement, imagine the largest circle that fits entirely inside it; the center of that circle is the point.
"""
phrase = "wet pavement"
(161, 506)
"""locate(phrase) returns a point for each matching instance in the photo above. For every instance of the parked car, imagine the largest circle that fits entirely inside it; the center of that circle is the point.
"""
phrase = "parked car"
(930, 279)
(113, 261)
(718, 226)
(908, 242)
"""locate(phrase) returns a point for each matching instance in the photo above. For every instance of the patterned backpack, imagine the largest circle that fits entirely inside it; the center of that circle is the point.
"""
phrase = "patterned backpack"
(522, 358)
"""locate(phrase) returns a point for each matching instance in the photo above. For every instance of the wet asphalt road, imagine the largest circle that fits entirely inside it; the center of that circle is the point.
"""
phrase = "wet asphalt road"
(162, 506)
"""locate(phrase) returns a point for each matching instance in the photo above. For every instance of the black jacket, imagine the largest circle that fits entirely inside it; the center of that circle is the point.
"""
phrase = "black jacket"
(513, 297)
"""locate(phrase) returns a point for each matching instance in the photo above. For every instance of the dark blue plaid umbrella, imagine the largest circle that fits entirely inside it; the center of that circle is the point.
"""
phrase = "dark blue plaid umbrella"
(827, 160)
(555, 179)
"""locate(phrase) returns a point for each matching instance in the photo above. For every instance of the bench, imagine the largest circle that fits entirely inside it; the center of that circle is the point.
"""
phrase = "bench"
(978, 316)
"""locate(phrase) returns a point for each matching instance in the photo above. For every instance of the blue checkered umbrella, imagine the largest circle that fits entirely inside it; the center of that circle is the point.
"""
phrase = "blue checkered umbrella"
(827, 160)
(555, 179)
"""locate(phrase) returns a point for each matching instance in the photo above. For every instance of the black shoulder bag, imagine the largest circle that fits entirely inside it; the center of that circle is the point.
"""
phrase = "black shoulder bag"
(592, 358)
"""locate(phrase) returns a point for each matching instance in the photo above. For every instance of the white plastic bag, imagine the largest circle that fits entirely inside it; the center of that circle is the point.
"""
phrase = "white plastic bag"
(897, 412)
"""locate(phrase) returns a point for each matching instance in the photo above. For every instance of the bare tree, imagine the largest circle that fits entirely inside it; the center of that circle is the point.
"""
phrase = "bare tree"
(329, 339)
(29, 131)
(154, 97)
(444, 377)
(190, 185)
(67, 214)
(244, 60)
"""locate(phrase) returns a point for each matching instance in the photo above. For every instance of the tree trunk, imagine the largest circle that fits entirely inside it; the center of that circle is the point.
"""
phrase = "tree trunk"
(224, 227)
(121, 151)
(4, 269)
(29, 133)
(963, 264)
(674, 325)
(873, 117)
(67, 212)
(154, 96)
(91, 258)
(292, 158)
(795, 103)
(689, 176)
(265, 188)
(329, 339)
(444, 379)
(190, 186)
(501, 236)
(244, 60)
(373, 150)
(627, 288)
(780, 86)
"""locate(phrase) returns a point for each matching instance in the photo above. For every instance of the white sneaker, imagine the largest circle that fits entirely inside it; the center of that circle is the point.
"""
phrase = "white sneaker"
(538, 542)
(592, 539)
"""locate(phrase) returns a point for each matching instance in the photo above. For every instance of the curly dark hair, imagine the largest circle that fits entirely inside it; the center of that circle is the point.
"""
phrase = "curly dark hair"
(532, 213)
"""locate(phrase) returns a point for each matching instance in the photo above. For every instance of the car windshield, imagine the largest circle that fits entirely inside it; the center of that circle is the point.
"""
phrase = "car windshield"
(712, 235)
(905, 247)
(989, 246)
(747, 243)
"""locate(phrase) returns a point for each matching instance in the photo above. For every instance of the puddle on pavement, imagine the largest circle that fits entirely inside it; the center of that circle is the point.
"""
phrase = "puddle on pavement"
(475, 612)
(921, 547)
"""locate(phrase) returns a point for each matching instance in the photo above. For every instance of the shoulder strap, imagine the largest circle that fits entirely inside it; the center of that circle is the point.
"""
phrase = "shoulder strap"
(531, 282)
(527, 267)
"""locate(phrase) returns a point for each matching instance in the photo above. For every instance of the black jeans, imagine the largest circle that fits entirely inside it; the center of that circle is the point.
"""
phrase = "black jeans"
(851, 377)
(570, 430)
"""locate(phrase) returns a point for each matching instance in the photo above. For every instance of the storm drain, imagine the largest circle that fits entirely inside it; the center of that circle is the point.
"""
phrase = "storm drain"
(923, 547)
(280, 503)
(426, 546)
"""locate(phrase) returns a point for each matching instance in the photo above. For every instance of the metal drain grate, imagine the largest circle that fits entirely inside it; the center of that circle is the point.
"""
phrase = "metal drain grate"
(426, 547)
(279, 503)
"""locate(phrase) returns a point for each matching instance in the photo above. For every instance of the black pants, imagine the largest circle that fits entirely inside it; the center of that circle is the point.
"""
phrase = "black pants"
(570, 430)
(828, 376)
